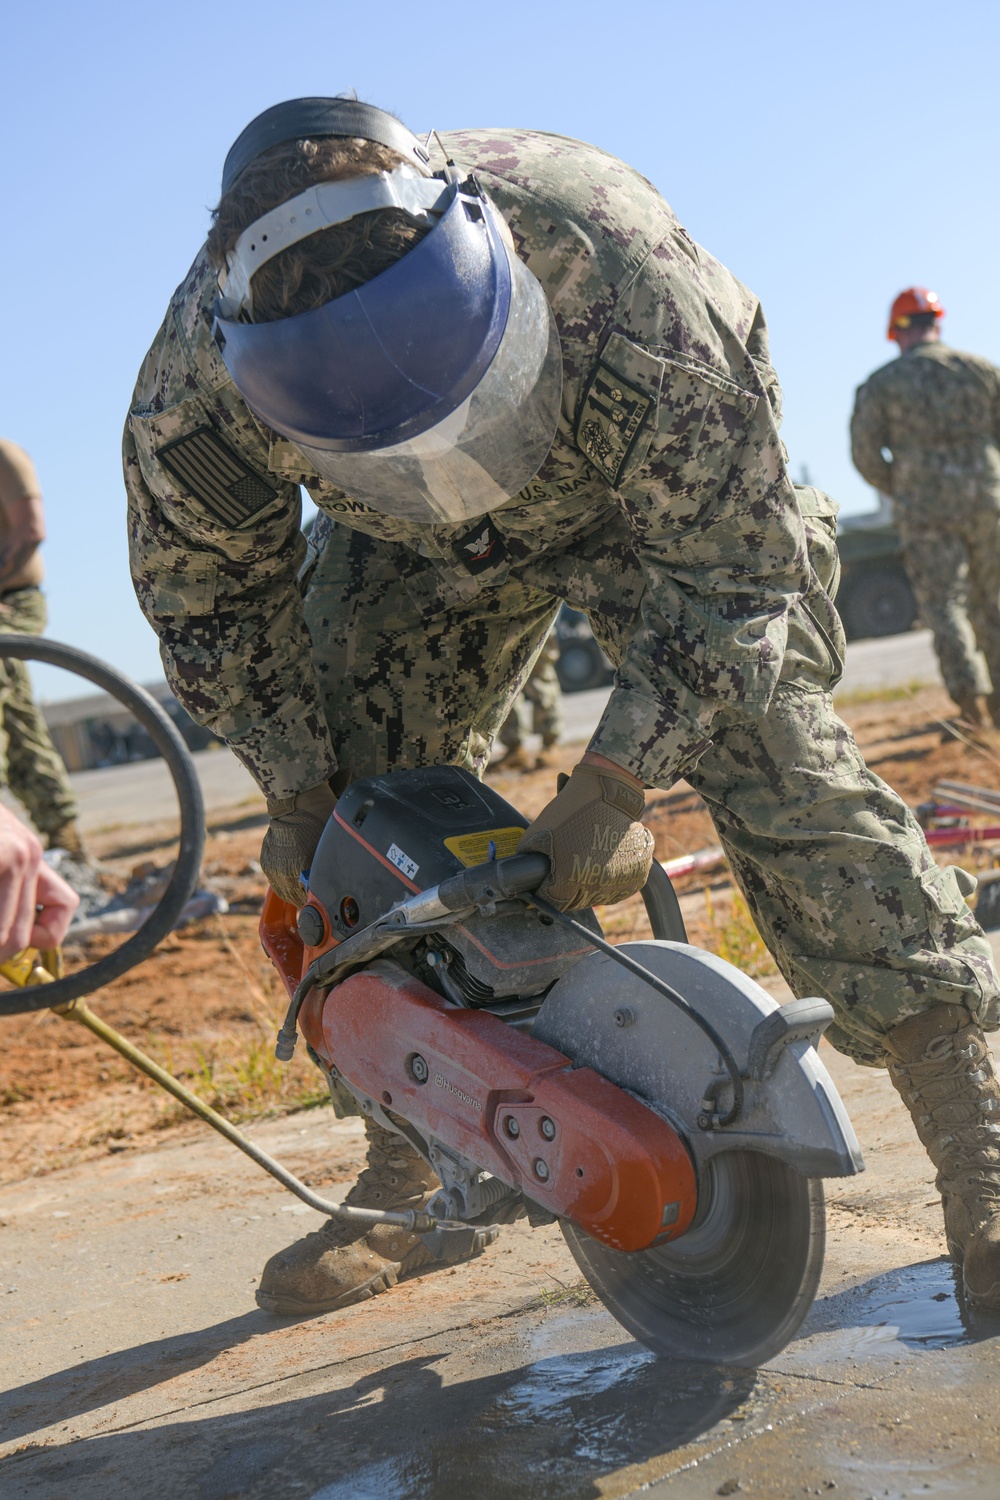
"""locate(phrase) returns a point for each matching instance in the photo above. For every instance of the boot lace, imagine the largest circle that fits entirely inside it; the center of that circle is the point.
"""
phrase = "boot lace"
(394, 1176)
(953, 1096)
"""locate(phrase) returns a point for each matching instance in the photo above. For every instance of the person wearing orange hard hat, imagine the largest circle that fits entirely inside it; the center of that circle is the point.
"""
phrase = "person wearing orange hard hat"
(912, 313)
(926, 432)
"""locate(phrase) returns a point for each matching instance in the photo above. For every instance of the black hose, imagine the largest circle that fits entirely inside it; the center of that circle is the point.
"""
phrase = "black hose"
(184, 877)
(669, 993)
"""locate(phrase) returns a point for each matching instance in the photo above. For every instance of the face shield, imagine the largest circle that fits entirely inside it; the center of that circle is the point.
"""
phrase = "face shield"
(432, 392)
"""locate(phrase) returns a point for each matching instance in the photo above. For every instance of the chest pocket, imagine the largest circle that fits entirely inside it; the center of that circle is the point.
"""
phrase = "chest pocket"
(616, 418)
(679, 416)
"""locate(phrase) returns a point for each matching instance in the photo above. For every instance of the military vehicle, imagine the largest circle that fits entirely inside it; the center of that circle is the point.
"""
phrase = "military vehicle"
(582, 664)
(875, 597)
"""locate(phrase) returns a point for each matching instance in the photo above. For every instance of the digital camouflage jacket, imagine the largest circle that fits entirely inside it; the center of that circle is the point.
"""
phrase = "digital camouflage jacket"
(937, 411)
(667, 450)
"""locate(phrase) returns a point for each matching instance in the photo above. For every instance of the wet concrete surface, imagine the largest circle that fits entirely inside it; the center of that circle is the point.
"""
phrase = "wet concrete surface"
(135, 1359)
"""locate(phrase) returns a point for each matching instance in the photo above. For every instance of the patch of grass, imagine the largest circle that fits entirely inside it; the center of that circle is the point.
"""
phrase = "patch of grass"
(895, 694)
(578, 1295)
(735, 938)
(240, 1076)
(243, 1080)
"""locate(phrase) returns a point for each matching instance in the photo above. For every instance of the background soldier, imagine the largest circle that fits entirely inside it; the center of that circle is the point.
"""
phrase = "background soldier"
(34, 769)
(937, 412)
(509, 377)
(538, 710)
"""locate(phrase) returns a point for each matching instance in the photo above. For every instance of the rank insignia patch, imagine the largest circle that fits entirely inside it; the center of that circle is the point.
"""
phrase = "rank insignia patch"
(612, 417)
(226, 486)
(482, 547)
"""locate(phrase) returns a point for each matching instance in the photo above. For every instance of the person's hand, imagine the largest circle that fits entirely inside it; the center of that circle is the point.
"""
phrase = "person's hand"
(598, 851)
(291, 838)
(36, 905)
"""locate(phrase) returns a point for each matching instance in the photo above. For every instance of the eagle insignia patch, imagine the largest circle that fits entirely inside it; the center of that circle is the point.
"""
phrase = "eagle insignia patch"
(481, 548)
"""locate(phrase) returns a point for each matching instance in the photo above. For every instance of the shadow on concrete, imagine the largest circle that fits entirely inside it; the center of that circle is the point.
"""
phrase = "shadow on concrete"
(550, 1429)
(115, 1377)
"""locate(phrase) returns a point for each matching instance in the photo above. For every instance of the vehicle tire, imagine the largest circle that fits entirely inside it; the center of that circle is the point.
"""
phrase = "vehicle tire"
(877, 601)
(582, 665)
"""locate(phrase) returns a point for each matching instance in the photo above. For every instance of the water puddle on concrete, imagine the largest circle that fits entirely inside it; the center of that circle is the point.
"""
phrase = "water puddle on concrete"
(569, 1413)
(904, 1311)
(552, 1426)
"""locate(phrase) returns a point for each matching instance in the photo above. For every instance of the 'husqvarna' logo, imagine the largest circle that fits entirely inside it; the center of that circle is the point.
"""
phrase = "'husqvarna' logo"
(442, 1082)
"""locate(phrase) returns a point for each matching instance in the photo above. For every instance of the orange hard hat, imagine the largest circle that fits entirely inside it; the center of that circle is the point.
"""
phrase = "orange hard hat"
(915, 299)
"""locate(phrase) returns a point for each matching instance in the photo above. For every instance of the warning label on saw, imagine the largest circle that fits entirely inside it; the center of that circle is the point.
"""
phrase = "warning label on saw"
(474, 848)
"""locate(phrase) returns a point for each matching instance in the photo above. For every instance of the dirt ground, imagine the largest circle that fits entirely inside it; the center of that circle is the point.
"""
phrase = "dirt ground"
(207, 1004)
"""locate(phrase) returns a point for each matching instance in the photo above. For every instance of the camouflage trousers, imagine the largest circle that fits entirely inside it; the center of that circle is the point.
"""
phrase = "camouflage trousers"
(538, 709)
(30, 765)
(832, 864)
(955, 573)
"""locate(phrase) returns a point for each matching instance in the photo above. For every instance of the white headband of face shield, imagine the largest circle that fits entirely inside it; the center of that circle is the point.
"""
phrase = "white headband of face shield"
(320, 207)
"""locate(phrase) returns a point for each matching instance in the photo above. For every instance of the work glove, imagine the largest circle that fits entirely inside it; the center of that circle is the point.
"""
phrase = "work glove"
(598, 850)
(291, 838)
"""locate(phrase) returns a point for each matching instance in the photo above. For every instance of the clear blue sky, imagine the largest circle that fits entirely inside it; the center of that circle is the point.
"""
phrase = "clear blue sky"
(830, 155)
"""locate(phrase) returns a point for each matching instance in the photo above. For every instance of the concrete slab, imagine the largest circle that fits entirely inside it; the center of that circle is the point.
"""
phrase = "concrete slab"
(135, 1357)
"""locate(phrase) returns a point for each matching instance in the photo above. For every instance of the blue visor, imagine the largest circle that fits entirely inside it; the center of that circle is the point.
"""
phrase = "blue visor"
(386, 362)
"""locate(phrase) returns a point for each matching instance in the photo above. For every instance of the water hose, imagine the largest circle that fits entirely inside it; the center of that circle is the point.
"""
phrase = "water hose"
(38, 978)
(163, 917)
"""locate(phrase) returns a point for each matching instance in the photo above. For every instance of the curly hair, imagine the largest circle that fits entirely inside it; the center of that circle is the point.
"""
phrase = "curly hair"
(326, 264)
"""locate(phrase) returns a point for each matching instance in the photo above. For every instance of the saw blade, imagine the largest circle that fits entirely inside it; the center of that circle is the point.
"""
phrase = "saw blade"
(734, 1288)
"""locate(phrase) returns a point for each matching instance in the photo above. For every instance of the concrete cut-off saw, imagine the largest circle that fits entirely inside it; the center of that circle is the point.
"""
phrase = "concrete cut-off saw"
(650, 1098)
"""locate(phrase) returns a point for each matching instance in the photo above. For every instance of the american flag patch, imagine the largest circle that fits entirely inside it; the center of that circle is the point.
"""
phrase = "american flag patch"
(217, 477)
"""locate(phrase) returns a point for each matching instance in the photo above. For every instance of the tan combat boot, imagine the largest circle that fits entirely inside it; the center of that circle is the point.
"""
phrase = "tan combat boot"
(548, 754)
(515, 760)
(67, 836)
(941, 1065)
(974, 709)
(339, 1263)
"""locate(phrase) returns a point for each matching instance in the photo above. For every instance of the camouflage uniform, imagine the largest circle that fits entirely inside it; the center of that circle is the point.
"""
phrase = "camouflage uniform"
(30, 765)
(538, 710)
(938, 412)
(29, 762)
(664, 511)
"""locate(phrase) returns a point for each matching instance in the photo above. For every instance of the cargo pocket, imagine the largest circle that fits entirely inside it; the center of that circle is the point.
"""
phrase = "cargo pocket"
(819, 516)
(816, 640)
(949, 919)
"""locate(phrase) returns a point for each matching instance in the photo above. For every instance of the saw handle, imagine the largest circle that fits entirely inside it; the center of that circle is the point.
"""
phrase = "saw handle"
(498, 881)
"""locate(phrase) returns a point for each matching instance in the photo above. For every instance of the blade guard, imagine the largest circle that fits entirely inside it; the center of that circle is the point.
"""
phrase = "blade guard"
(567, 1138)
(609, 1019)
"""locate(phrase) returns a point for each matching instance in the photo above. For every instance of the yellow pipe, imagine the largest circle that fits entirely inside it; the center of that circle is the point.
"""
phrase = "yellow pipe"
(32, 967)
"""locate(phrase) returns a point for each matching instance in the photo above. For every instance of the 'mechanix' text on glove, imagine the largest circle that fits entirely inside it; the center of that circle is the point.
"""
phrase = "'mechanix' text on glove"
(291, 838)
(598, 850)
